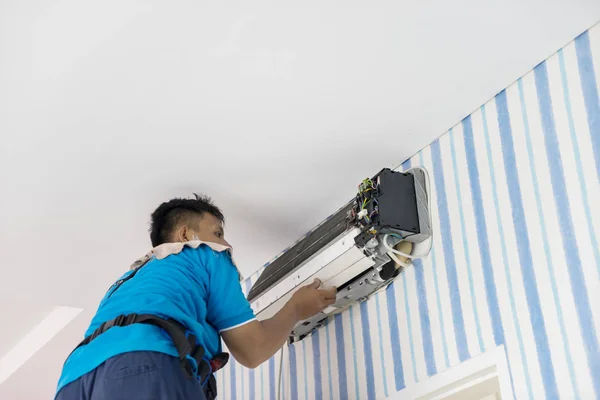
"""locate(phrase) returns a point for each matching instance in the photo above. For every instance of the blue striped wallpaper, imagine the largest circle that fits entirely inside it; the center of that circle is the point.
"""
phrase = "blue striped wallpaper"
(515, 207)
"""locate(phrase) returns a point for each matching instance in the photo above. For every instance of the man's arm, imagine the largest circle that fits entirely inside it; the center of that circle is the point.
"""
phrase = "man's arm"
(253, 343)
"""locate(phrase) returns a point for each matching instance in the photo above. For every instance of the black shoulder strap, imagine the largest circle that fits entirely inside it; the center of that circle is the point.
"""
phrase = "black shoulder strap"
(121, 281)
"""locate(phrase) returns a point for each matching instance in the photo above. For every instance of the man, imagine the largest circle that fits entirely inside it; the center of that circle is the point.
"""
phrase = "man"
(157, 332)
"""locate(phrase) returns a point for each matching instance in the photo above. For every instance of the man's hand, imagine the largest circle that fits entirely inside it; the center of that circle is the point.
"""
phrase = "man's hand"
(253, 343)
(309, 300)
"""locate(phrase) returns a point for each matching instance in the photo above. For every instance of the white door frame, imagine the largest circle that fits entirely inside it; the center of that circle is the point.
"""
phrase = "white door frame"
(487, 372)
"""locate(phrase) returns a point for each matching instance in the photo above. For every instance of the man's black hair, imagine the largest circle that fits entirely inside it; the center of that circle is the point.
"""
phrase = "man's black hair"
(171, 213)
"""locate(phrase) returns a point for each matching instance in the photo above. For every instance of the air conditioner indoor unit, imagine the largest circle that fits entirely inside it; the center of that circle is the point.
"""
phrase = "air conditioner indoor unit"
(360, 249)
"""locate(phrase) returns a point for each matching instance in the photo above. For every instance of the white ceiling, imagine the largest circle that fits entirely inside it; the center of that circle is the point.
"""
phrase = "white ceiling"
(276, 111)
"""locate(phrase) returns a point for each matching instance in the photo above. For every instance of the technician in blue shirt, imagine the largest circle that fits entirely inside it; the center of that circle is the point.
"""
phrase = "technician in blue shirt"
(157, 332)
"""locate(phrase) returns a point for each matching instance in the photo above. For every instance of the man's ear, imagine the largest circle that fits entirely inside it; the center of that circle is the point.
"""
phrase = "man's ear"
(181, 234)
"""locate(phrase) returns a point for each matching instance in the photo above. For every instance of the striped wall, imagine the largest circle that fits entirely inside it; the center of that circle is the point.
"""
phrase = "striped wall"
(515, 261)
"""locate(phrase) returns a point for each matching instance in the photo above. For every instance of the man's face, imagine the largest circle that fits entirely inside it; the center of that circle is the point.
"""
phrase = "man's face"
(210, 229)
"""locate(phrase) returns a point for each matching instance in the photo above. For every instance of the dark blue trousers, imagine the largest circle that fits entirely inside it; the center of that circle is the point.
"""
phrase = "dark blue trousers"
(143, 375)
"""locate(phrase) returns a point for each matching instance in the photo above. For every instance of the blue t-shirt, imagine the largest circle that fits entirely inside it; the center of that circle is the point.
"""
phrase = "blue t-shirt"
(198, 287)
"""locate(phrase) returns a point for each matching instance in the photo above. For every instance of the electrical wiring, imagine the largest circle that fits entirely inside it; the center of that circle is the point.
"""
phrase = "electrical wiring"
(367, 206)
(364, 204)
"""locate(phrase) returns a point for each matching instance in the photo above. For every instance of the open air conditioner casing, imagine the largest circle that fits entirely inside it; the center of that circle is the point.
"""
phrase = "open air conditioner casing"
(342, 256)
